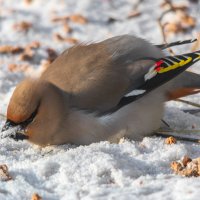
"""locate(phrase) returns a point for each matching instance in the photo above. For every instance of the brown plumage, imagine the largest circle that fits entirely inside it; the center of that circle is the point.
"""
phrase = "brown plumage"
(86, 81)
(182, 92)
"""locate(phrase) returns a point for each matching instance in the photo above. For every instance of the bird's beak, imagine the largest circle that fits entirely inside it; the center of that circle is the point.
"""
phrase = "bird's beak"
(13, 130)
(17, 130)
(8, 125)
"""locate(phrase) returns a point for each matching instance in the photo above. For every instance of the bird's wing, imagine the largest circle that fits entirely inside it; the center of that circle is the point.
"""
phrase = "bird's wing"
(98, 75)
(161, 72)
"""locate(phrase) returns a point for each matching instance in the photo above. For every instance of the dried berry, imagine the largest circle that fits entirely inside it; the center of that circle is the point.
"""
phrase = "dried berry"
(60, 19)
(187, 167)
(176, 166)
(170, 140)
(134, 13)
(186, 160)
(11, 49)
(52, 55)
(36, 197)
(77, 18)
(67, 28)
(22, 26)
(4, 175)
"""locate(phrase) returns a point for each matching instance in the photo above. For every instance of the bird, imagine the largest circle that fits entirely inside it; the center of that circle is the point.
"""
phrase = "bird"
(101, 92)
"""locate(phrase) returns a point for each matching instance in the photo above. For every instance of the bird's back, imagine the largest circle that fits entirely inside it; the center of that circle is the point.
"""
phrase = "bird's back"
(97, 76)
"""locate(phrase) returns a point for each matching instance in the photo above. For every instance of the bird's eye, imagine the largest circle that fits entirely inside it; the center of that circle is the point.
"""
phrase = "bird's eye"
(29, 120)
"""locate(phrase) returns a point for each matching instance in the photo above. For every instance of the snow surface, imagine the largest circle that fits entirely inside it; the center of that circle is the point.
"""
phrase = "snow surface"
(129, 170)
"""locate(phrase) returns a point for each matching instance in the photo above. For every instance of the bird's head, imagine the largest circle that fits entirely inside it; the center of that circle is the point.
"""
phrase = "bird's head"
(37, 107)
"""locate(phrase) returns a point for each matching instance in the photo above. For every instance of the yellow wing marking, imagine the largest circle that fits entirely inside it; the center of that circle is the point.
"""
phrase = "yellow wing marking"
(197, 58)
(175, 65)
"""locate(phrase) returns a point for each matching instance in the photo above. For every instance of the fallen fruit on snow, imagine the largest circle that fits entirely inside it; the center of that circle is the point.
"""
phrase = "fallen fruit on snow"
(4, 175)
(170, 140)
(36, 197)
(187, 167)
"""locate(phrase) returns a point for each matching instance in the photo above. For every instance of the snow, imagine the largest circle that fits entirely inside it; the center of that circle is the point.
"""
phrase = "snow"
(128, 170)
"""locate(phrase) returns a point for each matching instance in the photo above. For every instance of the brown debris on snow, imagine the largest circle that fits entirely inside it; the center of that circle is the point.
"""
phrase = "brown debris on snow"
(4, 49)
(28, 2)
(59, 18)
(187, 167)
(33, 45)
(170, 140)
(169, 5)
(134, 13)
(4, 174)
(27, 55)
(173, 28)
(78, 18)
(186, 160)
(52, 54)
(60, 38)
(186, 20)
(67, 28)
(22, 26)
(176, 166)
(36, 197)
(180, 23)
(71, 40)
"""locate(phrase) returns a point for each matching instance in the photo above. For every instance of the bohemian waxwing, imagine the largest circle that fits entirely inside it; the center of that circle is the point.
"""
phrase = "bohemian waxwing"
(101, 91)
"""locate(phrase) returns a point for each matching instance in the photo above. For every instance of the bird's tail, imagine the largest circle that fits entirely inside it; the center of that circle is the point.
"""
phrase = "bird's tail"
(187, 83)
(172, 44)
(164, 70)
(169, 67)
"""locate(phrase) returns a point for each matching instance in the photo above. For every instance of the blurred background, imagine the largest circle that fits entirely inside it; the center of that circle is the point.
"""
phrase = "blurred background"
(34, 32)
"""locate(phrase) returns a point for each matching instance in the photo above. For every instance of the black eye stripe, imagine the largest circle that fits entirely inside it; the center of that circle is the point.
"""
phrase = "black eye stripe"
(30, 119)
(19, 136)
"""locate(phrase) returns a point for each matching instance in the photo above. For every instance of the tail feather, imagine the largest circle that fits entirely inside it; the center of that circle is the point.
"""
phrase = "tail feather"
(165, 46)
(182, 92)
(185, 84)
(164, 70)
(186, 80)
